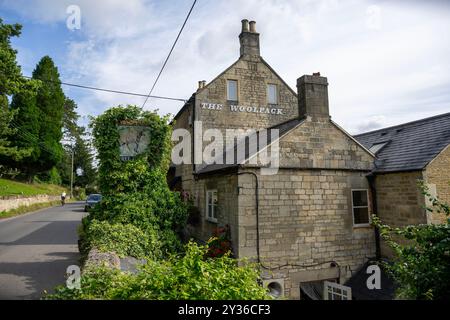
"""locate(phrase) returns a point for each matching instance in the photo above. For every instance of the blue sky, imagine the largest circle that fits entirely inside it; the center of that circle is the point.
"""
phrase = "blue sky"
(387, 62)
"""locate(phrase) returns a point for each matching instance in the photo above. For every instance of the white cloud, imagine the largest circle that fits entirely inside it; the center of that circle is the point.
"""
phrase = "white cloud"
(381, 71)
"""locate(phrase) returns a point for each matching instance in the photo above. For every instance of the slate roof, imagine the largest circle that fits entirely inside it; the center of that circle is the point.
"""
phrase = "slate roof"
(409, 146)
(283, 128)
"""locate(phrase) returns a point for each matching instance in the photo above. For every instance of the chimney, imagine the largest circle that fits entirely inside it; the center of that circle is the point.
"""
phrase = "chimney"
(312, 93)
(201, 84)
(249, 39)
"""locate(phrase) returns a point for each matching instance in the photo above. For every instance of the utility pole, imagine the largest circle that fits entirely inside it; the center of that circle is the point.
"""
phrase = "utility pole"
(71, 175)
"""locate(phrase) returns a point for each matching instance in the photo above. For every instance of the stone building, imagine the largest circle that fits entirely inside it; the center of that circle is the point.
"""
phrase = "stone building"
(305, 214)
(407, 153)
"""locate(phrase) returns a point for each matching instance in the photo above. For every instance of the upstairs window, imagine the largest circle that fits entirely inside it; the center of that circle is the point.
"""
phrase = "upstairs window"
(272, 95)
(211, 205)
(232, 90)
(360, 207)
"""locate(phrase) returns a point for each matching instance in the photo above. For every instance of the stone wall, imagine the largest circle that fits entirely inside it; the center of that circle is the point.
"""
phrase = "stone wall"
(13, 202)
(437, 175)
(253, 76)
(227, 213)
(399, 201)
(305, 219)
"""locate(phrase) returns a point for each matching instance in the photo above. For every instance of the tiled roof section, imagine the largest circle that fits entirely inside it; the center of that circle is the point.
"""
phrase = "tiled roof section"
(410, 146)
(283, 128)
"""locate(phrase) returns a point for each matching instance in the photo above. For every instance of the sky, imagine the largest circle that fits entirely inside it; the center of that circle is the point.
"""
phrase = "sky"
(387, 62)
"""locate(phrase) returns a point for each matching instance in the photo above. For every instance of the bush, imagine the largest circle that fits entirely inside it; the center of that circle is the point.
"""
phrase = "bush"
(191, 276)
(123, 239)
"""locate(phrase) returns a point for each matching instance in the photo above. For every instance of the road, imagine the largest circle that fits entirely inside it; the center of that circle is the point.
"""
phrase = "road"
(36, 249)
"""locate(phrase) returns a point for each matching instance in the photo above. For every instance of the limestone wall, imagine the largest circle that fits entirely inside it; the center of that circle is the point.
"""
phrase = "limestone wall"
(13, 202)
(305, 221)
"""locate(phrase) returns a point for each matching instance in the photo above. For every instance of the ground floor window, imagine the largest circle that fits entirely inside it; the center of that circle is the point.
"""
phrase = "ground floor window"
(211, 205)
(336, 291)
(360, 207)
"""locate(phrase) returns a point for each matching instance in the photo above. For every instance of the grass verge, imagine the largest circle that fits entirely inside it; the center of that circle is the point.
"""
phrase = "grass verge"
(13, 188)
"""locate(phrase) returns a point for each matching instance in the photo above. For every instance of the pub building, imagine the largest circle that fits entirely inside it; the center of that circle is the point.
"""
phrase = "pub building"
(309, 221)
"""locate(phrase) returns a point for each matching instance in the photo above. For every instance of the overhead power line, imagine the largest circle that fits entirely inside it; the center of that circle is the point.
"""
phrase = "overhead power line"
(170, 52)
(109, 90)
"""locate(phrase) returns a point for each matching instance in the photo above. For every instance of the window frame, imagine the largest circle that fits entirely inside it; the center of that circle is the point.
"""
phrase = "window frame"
(330, 287)
(212, 218)
(357, 225)
(237, 90)
(276, 93)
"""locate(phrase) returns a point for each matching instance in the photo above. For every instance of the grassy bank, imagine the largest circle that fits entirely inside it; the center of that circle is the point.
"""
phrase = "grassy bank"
(25, 209)
(15, 188)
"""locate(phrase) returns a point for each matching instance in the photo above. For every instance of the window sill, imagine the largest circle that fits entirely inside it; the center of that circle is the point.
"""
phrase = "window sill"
(211, 220)
(362, 225)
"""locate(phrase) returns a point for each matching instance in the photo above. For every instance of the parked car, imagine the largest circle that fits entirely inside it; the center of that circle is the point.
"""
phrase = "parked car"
(92, 200)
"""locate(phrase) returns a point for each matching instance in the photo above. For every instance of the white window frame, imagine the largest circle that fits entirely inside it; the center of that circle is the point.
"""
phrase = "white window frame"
(368, 209)
(212, 218)
(237, 90)
(276, 93)
(331, 287)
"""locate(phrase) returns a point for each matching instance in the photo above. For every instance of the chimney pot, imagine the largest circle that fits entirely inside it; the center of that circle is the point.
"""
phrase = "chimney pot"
(244, 25)
(249, 39)
(316, 74)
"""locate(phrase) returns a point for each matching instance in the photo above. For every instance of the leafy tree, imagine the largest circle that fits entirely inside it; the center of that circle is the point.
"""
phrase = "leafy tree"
(50, 101)
(83, 161)
(27, 123)
(11, 81)
(421, 268)
(70, 118)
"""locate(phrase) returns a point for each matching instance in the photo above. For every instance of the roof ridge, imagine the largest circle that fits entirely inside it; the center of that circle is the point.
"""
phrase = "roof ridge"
(403, 124)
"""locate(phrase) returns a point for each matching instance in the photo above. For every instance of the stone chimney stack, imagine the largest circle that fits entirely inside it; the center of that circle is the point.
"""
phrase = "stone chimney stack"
(249, 39)
(312, 93)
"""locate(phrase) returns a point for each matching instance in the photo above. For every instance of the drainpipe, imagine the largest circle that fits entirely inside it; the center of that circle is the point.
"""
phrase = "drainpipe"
(371, 179)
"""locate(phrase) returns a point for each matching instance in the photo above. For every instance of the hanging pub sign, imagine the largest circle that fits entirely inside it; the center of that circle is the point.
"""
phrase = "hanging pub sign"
(134, 138)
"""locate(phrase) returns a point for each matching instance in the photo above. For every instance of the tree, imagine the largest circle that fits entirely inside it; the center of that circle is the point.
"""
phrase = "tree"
(27, 123)
(11, 81)
(83, 158)
(83, 161)
(421, 267)
(50, 101)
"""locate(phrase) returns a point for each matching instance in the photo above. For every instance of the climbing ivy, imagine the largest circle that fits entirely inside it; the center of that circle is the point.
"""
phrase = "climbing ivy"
(135, 192)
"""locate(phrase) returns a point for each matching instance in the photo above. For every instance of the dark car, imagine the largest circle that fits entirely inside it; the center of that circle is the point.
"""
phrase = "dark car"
(92, 200)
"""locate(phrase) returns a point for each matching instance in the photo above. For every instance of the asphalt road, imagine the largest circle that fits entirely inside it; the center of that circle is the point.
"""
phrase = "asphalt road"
(36, 249)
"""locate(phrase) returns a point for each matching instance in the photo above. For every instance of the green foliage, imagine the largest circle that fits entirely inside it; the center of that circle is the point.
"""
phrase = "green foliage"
(123, 239)
(136, 192)
(50, 101)
(10, 188)
(422, 265)
(190, 276)
(10, 75)
(11, 82)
